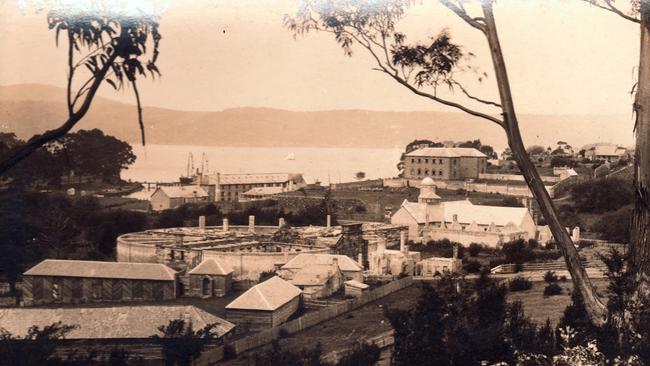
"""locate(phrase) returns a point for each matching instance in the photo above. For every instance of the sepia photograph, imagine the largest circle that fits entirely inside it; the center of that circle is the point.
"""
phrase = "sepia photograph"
(325, 182)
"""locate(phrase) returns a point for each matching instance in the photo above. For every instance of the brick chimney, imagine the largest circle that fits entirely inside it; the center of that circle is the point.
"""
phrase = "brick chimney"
(225, 224)
(251, 223)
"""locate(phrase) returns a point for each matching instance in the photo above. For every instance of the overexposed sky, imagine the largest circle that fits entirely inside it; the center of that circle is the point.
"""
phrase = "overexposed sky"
(563, 56)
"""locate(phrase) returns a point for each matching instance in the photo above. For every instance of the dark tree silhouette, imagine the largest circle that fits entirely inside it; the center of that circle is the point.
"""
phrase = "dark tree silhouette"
(115, 44)
(423, 68)
(181, 344)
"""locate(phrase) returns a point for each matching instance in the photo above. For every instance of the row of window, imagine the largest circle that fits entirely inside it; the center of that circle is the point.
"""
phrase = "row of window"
(249, 186)
(426, 172)
(433, 161)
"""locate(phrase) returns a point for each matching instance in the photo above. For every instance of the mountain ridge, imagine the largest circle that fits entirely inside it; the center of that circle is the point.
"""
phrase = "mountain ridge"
(28, 109)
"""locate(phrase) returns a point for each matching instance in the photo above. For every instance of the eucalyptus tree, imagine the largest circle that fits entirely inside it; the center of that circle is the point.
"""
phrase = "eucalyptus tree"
(422, 68)
(105, 41)
(638, 12)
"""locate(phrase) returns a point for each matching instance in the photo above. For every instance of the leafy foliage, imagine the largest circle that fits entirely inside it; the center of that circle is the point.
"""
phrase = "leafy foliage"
(181, 344)
(615, 226)
(519, 283)
(84, 153)
(600, 195)
(459, 322)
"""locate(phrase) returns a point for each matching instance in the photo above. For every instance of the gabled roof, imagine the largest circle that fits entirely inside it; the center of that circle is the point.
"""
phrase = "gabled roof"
(263, 191)
(346, 264)
(211, 266)
(183, 191)
(109, 322)
(255, 178)
(418, 211)
(97, 269)
(608, 150)
(312, 275)
(268, 295)
(356, 284)
(484, 215)
(447, 152)
(467, 213)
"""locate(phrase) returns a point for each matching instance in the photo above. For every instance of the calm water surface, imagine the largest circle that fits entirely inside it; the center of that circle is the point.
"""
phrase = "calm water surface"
(166, 163)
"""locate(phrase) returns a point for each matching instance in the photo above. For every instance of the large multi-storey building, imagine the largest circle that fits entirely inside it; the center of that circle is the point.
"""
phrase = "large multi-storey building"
(444, 163)
(232, 187)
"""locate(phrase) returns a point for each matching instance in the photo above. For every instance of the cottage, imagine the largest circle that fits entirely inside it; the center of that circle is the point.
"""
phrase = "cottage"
(462, 221)
(319, 280)
(210, 278)
(350, 269)
(264, 305)
(72, 281)
(355, 288)
(606, 152)
(170, 197)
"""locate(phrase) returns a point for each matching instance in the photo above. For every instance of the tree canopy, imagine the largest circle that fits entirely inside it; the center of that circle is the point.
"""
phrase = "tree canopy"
(108, 41)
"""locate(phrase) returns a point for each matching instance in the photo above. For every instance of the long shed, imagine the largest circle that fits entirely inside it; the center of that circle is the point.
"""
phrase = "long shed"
(72, 281)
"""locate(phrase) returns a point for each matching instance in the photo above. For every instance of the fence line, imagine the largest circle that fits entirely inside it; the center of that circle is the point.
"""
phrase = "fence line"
(306, 321)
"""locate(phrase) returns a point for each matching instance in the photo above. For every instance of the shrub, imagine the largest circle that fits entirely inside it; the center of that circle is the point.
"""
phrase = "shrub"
(614, 226)
(441, 248)
(563, 278)
(519, 283)
(472, 266)
(600, 195)
(361, 355)
(474, 249)
(552, 290)
(550, 277)
(511, 201)
(517, 251)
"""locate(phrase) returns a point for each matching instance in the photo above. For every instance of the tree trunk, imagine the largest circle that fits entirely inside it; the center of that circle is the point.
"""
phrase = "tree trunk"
(639, 247)
(595, 308)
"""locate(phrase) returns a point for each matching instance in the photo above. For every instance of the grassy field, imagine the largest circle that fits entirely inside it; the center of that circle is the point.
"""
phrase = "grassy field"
(539, 308)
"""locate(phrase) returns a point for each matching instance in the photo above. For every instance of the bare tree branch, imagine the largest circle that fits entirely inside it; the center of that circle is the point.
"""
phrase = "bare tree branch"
(473, 97)
(611, 8)
(460, 11)
(447, 102)
(139, 107)
(70, 74)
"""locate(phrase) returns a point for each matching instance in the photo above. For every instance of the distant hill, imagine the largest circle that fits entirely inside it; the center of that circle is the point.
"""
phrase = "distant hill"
(31, 108)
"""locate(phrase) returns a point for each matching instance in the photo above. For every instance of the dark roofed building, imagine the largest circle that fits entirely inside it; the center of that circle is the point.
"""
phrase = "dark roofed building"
(101, 329)
(72, 281)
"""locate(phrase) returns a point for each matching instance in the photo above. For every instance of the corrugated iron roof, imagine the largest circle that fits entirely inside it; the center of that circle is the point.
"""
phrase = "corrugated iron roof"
(109, 322)
(447, 152)
(268, 295)
(97, 269)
